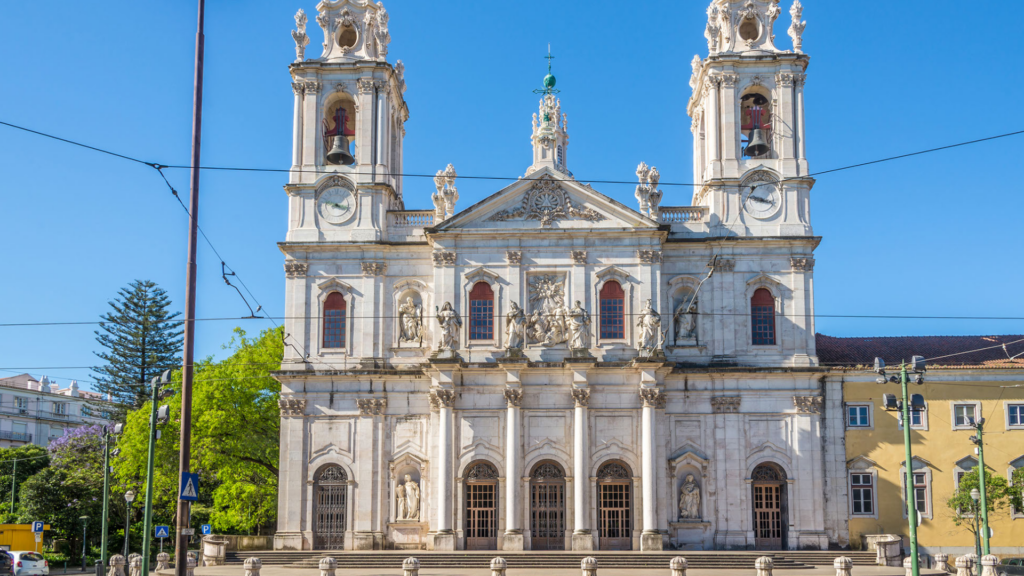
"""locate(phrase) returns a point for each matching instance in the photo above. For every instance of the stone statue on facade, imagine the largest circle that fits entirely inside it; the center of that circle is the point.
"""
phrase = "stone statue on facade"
(689, 499)
(557, 328)
(651, 338)
(299, 35)
(410, 319)
(412, 498)
(450, 322)
(515, 327)
(686, 323)
(402, 508)
(579, 323)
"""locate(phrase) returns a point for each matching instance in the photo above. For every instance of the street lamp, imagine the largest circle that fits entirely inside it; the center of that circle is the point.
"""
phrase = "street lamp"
(129, 496)
(158, 415)
(85, 522)
(975, 496)
(978, 440)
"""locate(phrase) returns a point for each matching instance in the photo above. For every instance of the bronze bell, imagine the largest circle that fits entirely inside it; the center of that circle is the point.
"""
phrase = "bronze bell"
(758, 146)
(339, 152)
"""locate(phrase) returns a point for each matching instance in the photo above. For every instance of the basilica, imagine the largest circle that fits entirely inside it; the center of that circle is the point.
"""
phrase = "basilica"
(549, 369)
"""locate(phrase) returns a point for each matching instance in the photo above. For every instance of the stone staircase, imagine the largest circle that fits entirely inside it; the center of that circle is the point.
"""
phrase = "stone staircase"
(722, 560)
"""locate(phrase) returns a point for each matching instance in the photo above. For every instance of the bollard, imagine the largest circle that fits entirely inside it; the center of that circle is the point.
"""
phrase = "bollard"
(190, 567)
(252, 566)
(135, 569)
(973, 558)
(411, 566)
(908, 564)
(764, 566)
(942, 562)
(963, 566)
(116, 565)
(677, 566)
(589, 566)
(327, 566)
(843, 566)
(162, 560)
(498, 567)
(988, 565)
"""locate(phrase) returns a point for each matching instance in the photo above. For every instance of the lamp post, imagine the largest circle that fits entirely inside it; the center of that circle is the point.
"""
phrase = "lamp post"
(129, 496)
(85, 523)
(917, 367)
(157, 416)
(979, 425)
(975, 496)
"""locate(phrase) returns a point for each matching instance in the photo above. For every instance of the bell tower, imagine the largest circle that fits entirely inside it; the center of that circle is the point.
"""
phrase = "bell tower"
(349, 120)
(747, 112)
(550, 129)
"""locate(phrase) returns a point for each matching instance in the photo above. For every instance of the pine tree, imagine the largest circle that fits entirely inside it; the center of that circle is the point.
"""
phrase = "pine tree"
(141, 340)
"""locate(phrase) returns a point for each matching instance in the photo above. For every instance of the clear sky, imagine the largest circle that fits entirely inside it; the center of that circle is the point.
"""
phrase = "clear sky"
(935, 235)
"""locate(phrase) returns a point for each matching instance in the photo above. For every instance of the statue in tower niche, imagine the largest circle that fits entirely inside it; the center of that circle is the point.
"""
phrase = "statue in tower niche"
(410, 319)
(689, 499)
(685, 320)
(579, 322)
(408, 495)
(515, 327)
(651, 338)
(450, 322)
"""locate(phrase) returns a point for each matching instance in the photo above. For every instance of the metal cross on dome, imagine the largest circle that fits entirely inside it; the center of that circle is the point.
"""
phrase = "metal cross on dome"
(549, 80)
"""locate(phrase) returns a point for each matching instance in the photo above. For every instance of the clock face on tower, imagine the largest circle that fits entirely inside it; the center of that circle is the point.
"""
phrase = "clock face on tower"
(335, 204)
(762, 196)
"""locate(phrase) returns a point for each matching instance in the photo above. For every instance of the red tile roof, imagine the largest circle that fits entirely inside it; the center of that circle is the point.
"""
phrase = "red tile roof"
(938, 350)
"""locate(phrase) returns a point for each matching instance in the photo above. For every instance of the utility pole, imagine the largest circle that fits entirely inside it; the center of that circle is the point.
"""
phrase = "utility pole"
(185, 441)
(14, 476)
(980, 442)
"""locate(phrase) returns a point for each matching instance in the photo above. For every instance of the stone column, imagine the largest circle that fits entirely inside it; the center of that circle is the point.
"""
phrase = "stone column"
(581, 536)
(310, 132)
(513, 539)
(730, 125)
(299, 89)
(650, 539)
(801, 133)
(712, 121)
(444, 399)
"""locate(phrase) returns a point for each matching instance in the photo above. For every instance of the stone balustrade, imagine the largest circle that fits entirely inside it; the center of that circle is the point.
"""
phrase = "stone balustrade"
(682, 214)
(408, 225)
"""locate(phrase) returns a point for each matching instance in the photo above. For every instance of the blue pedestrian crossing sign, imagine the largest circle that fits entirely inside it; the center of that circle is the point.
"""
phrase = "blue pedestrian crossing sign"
(37, 526)
(161, 532)
(189, 487)
(206, 529)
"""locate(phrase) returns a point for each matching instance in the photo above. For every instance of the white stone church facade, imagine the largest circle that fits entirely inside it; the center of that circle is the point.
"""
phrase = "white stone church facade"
(548, 368)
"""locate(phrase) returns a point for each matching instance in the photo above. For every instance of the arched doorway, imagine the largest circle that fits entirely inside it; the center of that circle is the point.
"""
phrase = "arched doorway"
(331, 499)
(615, 507)
(770, 500)
(482, 507)
(547, 507)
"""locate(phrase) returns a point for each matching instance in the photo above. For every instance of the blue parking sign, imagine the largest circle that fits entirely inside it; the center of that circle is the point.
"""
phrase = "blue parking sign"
(206, 529)
(37, 526)
(161, 532)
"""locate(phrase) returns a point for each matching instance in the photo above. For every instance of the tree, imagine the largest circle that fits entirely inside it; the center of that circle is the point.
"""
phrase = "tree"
(962, 505)
(141, 340)
(31, 459)
(1015, 492)
(235, 437)
(71, 487)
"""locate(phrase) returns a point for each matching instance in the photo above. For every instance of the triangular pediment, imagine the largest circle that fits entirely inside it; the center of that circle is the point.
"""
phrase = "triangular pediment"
(547, 200)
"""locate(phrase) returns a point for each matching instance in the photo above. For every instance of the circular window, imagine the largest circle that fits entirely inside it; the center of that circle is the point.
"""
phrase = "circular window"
(749, 30)
(347, 36)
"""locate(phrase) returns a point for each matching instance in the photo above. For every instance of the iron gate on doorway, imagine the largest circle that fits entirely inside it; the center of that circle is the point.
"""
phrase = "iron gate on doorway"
(331, 492)
(547, 507)
(615, 515)
(482, 507)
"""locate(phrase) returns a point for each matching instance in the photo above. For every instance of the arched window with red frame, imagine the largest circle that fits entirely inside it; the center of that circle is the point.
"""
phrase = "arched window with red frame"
(762, 318)
(613, 299)
(481, 312)
(334, 321)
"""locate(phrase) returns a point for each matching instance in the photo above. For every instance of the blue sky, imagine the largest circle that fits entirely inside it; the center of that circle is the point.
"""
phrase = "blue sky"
(934, 235)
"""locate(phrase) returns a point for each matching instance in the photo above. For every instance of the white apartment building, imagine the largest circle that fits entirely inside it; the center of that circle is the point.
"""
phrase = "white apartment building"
(37, 411)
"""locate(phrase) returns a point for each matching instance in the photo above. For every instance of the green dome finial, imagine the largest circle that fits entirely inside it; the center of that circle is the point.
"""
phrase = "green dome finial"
(549, 80)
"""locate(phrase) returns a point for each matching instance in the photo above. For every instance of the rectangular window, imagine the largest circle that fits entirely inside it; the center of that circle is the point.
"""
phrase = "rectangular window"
(763, 319)
(334, 328)
(60, 408)
(963, 415)
(921, 493)
(19, 428)
(21, 403)
(481, 319)
(612, 325)
(916, 419)
(859, 416)
(1015, 414)
(862, 492)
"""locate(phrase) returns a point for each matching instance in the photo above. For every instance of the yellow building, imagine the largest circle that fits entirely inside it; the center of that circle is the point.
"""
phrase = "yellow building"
(956, 389)
(19, 537)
